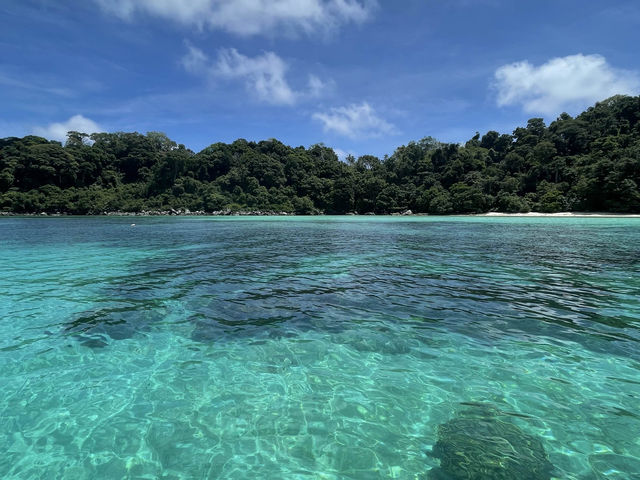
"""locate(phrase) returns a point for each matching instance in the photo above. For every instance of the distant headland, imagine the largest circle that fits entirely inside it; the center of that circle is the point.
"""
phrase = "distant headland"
(590, 163)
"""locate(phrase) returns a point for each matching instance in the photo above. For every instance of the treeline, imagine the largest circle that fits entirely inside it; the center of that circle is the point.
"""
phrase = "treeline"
(587, 163)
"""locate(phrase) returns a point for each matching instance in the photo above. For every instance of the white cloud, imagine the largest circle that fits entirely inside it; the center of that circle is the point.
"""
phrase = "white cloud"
(195, 61)
(264, 76)
(58, 131)
(355, 121)
(316, 86)
(572, 82)
(249, 17)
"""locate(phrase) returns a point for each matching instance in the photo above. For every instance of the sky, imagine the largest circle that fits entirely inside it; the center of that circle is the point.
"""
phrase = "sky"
(360, 76)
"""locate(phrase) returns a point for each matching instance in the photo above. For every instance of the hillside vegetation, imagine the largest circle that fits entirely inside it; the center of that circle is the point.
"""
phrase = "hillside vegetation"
(587, 163)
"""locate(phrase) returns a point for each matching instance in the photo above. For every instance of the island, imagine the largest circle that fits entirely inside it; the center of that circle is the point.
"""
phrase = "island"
(590, 163)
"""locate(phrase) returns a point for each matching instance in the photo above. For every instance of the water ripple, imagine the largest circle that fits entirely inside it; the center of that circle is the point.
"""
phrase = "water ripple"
(313, 348)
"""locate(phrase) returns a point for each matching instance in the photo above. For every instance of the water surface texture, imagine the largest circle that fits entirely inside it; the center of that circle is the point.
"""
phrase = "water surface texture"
(318, 347)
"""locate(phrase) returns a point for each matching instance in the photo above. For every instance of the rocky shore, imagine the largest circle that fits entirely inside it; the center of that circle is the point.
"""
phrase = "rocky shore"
(155, 213)
(184, 212)
(268, 213)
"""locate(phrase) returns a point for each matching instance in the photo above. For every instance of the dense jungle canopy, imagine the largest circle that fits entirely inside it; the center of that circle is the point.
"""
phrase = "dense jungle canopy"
(587, 163)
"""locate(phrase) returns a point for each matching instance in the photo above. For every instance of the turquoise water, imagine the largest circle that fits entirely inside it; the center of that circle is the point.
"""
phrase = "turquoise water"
(317, 347)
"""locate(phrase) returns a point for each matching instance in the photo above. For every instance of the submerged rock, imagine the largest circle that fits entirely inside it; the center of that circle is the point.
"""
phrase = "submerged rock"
(373, 341)
(95, 329)
(477, 445)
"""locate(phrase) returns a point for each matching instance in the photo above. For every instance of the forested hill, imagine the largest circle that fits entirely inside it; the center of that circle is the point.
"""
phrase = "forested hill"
(587, 163)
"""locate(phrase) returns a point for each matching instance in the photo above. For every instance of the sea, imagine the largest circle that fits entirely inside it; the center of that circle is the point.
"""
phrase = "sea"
(316, 347)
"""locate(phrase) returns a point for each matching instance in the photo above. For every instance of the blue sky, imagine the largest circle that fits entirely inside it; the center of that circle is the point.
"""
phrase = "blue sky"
(362, 76)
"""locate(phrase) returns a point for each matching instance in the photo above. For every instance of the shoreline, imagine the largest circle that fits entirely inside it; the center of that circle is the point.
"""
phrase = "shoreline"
(257, 213)
(561, 214)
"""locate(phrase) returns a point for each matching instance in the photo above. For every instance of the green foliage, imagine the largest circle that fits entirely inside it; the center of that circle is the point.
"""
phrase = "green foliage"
(551, 199)
(590, 163)
(510, 203)
(468, 199)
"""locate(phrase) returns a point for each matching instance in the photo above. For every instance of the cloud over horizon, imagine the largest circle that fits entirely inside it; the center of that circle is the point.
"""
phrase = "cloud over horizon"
(249, 17)
(264, 75)
(355, 121)
(58, 131)
(573, 82)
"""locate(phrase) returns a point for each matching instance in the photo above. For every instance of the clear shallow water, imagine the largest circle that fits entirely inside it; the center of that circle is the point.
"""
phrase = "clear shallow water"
(313, 347)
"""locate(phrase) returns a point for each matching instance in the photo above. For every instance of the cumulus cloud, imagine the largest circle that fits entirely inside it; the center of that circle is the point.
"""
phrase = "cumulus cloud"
(355, 121)
(264, 76)
(58, 131)
(567, 83)
(249, 17)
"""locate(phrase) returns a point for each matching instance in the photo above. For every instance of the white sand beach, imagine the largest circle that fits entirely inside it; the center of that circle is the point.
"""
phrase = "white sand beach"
(561, 214)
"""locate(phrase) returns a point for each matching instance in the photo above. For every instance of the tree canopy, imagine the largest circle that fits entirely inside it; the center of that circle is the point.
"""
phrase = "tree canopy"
(587, 163)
